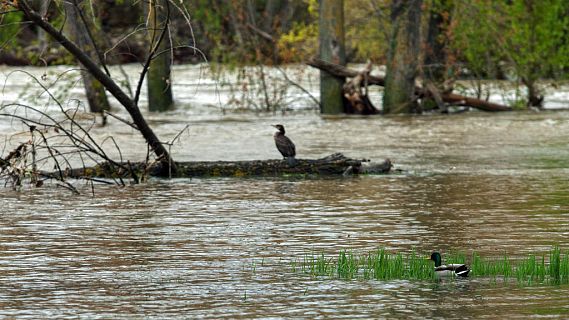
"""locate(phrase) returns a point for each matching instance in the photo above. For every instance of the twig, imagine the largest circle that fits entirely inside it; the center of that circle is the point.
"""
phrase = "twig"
(298, 86)
(130, 124)
(262, 33)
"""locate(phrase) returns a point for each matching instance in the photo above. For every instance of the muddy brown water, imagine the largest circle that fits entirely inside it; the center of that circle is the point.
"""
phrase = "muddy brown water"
(222, 247)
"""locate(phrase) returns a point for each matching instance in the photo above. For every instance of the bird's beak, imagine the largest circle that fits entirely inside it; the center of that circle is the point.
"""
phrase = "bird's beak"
(273, 125)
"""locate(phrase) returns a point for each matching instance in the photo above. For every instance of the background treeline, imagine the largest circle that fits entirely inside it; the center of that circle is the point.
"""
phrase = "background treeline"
(525, 39)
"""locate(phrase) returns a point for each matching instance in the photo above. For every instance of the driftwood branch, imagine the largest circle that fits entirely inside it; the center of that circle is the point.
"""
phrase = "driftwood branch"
(450, 98)
(334, 165)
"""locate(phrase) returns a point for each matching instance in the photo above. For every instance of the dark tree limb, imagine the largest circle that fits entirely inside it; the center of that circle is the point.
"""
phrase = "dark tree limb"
(342, 71)
(450, 98)
(261, 33)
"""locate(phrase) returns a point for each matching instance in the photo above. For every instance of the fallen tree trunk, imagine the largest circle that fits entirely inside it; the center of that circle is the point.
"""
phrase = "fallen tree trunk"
(459, 100)
(334, 165)
(450, 98)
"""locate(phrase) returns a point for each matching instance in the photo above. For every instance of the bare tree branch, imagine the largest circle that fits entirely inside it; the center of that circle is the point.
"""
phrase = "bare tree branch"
(106, 81)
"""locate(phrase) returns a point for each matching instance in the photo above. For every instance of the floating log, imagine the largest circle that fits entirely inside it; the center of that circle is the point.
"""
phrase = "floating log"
(333, 165)
(450, 98)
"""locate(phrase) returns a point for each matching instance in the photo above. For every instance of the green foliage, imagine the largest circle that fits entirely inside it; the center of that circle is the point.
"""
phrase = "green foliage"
(474, 37)
(367, 30)
(9, 28)
(379, 264)
(525, 40)
(299, 43)
(535, 40)
(202, 12)
(366, 37)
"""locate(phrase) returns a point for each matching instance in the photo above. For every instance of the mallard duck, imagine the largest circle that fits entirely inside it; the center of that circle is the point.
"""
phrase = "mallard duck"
(455, 269)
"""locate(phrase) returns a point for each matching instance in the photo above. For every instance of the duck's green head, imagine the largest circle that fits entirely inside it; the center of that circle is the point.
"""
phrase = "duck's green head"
(436, 257)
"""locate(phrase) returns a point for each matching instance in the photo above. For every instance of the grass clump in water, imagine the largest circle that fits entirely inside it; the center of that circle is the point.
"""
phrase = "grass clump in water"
(552, 268)
(375, 265)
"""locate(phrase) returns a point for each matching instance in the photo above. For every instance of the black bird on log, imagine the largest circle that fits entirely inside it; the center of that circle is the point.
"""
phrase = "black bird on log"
(285, 145)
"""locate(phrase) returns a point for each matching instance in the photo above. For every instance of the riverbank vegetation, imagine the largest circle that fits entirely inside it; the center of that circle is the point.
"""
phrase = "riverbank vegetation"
(550, 268)
(523, 42)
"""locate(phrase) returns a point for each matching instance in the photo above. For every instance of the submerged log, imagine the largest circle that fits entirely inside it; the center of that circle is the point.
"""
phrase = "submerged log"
(333, 165)
(450, 98)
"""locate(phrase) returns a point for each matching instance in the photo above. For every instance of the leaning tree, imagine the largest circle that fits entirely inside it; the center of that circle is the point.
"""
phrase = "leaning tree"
(88, 61)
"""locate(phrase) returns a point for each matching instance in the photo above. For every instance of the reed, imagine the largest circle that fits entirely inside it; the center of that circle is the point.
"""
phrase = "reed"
(552, 267)
(374, 265)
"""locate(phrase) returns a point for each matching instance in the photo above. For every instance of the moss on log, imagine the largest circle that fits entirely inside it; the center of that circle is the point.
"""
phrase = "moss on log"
(333, 165)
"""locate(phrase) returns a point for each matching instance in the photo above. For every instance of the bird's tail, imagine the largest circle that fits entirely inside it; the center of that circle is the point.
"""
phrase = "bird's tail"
(291, 161)
(462, 272)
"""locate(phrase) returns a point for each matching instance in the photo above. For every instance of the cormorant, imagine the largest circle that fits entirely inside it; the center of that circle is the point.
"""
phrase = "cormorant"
(285, 145)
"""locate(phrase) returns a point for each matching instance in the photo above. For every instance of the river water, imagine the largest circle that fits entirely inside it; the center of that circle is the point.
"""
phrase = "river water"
(222, 248)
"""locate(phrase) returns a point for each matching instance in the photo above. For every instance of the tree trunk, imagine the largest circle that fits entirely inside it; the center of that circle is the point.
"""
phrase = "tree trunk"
(168, 165)
(437, 40)
(535, 99)
(158, 82)
(332, 49)
(403, 57)
(77, 28)
(436, 52)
